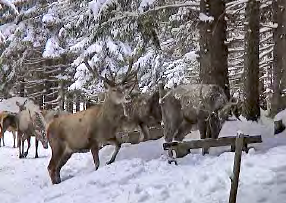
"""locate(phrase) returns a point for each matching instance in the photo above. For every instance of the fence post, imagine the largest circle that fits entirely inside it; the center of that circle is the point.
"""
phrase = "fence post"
(236, 167)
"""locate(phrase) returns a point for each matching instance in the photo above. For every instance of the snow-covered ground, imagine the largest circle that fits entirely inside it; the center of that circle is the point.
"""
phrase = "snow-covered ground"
(141, 173)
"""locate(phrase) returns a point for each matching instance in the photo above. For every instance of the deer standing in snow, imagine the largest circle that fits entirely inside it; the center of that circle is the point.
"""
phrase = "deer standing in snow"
(144, 111)
(30, 122)
(89, 129)
(203, 105)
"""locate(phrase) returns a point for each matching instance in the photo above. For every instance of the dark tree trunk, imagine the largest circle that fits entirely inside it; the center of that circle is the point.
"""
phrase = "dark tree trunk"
(50, 85)
(69, 102)
(77, 101)
(39, 101)
(22, 87)
(61, 96)
(214, 52)
(251, 61)
(279, 62)
(88, 104)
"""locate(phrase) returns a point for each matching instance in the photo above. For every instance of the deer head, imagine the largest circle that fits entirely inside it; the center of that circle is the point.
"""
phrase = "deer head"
(117, 92)
(21, 106)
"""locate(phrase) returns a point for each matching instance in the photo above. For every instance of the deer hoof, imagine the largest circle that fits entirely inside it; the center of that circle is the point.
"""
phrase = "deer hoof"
(173, 161)
(21, 156)
(36, 156)
(56, 181)
(109, 162)
(25, 154)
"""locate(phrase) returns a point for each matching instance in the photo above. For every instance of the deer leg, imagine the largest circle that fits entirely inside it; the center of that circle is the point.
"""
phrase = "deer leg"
(203, 131)
(19, 144)
(94, 152)
(117, 148)
(65, 157)
(23, 145)
(169, 132)
(3, 132)
(144, 131)
(2, 138)
(29, 145)
(62, 161)
(17, 138)
(53, 169)
(14, 139)
(183, 130)
(36, 145)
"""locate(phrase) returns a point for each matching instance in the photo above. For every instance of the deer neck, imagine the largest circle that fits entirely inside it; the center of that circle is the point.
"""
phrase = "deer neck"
(111, 109)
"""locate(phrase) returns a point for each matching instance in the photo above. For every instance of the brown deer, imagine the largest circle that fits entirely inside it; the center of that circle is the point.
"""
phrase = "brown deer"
(89, 129)
(144, 112)
(8, 123)
(30, 122)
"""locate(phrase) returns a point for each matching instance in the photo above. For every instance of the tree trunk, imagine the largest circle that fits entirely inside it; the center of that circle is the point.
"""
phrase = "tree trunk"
(69, 102)
(22, 87)
(213, 51)
(251, 61)
(88, 103)
(61, 95)
(279, 62)
(77, 101)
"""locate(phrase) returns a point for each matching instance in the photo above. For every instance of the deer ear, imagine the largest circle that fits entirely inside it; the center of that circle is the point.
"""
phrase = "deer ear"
(17, 103)
(129, 86)
(106, 85)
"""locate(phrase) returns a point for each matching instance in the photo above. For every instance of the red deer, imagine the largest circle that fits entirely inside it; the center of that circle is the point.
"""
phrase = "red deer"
(89, 129)
(30, 122)
(8, 123)
(189, 105)
(144, 112)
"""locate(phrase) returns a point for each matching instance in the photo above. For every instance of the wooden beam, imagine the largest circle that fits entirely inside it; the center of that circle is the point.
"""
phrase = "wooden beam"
(236, 168)
(183, 148)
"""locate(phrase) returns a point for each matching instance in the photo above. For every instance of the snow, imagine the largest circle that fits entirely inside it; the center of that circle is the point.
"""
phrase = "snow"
(192, 55)
(52, 48)
(142, 174)
(97, 6)
(144, 4)
(80, 77)
(11, 5)
(203, 17)
(50, 19)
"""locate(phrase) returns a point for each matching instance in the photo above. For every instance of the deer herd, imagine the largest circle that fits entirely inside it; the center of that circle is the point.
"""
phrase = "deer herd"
(176, 111)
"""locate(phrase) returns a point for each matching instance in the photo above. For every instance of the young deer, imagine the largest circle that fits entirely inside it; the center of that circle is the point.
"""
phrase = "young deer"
(89, 129)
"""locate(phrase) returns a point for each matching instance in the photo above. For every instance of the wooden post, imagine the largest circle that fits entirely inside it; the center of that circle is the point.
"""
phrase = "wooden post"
(236, 168)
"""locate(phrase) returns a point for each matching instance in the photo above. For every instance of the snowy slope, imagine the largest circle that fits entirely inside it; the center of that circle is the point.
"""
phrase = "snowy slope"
(141, 173)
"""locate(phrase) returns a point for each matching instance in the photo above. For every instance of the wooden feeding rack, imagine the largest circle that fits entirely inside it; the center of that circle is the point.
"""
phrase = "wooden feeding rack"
(183, 148)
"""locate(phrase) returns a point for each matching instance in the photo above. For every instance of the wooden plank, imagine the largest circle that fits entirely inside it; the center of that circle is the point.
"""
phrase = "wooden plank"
(209, 142)
(239, 143)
